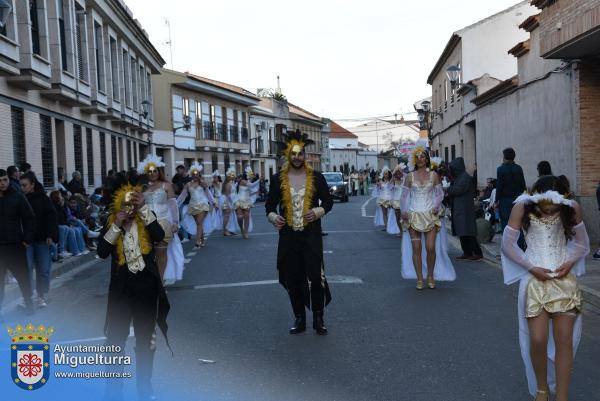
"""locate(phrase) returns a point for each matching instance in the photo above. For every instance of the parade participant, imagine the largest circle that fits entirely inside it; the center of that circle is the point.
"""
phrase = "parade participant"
(136, 293)
(16, 236)
(298, 198)
(199, 207)
(216, 189)
(227, 207)
(395, 221)
(245, 197)
(557, 244)
(421, 204)
(384, 193)
(160, 198)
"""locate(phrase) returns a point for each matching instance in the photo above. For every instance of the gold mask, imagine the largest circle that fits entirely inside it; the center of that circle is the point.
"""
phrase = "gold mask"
(129, 206)
(152, 170)
(296, 150)
(195, 173)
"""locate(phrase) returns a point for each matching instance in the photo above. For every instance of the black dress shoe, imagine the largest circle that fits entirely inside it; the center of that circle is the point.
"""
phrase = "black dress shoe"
(299, 325)
(318, 323)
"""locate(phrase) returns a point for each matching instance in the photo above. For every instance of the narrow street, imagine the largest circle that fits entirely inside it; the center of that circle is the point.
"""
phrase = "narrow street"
(229, 320)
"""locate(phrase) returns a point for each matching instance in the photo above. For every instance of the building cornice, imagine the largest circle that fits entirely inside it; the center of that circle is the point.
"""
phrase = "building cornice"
(531, 23)
(450, 46)
(520, 49)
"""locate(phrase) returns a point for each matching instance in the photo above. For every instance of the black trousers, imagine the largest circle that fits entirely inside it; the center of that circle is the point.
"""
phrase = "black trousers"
(299, 265)
(470, 246)
(14, 258)
(137, 304)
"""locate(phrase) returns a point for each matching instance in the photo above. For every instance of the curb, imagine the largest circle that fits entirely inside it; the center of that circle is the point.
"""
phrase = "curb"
(491, 256)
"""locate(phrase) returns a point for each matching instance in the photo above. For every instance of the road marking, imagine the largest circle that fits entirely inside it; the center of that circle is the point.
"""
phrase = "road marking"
(363, 208)
(327, 252)
(191, 254)
(187, 260)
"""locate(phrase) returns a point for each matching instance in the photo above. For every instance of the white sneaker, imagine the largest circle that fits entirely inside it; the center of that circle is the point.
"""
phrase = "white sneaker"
(93, 234)
(85, 252)
(183, 241)
(41, 302)
(65, 254)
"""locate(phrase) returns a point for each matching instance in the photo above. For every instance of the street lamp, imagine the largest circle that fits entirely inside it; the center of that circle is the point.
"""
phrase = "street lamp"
(145, 107)
(5, 10)
(453, 74)
(424, 116)
(187, 124)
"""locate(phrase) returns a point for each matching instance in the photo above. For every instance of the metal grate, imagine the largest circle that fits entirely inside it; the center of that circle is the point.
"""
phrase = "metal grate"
(18, 131)
(102, 154)
(128, 154)
(78, 145)
(79, 32)
(47, 152)
(90, 156)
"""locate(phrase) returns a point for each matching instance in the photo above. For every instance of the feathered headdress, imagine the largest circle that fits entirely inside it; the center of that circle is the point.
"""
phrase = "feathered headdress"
(196, 168)
(249, 172)
(400, 167)
(150, 161)
(295, 141)
(216, 173)
(119, 203)
(436, 162)
(546, 197)
(419, 148)
(230, 172)
(384, 170)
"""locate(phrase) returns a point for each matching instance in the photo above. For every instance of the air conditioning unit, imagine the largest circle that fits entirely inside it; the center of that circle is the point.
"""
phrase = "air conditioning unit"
(263, 125)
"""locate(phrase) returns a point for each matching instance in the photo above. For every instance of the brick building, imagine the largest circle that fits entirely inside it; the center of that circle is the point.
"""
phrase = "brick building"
(75, 88)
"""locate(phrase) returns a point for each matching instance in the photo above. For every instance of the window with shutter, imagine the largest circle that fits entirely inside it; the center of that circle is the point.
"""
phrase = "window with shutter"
(90, 156)
(102, 154)
(18, 131)
(78, 145)
(80, 33)
(113, 151)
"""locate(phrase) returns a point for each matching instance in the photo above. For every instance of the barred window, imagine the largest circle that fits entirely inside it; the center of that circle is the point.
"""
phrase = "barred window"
(113, 151)
(226, 162)
(102, 154)
(90, 156)
(81, 41)
(47, 153)
(78, 145)
(135, 155)
(18, 132)
(215, 162)
(128, 154)
(34, 27)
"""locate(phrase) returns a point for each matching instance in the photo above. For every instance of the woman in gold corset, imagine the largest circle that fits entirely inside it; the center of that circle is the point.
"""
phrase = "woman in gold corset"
(557, 244)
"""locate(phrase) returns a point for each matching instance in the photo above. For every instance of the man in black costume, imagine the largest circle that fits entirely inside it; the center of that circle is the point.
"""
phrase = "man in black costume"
(298, 198)
(136, 292)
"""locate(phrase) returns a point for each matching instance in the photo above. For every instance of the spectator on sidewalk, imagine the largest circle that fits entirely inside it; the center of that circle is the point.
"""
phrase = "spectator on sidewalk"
(45, 235)
(13, 176)
(180, 179)
(76, 184)
(544, 168)
(510, 183)
(15, 236)
(460, 193)
(70, 240)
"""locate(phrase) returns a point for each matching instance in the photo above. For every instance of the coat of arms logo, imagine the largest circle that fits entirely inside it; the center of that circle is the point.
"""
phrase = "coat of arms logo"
(30, 355)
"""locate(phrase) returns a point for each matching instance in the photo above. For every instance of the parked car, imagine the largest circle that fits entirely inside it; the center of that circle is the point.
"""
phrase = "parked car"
(338, 188)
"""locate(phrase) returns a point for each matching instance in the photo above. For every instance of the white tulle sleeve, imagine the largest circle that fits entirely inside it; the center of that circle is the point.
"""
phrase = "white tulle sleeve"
(405, 197)
(209, 196)
(438, 196)
(173, 210)
(253, 188)
(515, 263)
(578, 248)
(376, 191)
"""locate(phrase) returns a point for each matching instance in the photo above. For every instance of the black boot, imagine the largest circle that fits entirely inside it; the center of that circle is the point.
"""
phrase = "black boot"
(299, 323)
(318, 323)
(144, 364)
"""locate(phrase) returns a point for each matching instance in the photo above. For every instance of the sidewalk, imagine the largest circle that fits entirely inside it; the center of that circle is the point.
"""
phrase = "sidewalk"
(589, 283)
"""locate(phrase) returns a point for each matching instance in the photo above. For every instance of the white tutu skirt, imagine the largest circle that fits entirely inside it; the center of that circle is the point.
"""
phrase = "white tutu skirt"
(392, 225)
(443, 269)
(378, 219)
(189, 222)
(233, 225)
(175, 260)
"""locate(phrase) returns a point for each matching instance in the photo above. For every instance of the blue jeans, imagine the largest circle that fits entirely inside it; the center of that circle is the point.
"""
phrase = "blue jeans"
(80, 224)
(79, 233)
(38, 258)
(68, 240)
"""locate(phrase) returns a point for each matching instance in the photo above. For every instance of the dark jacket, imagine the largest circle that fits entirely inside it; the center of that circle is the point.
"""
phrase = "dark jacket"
(76, 187)
(510, 181)
(156, 296)
(461, 197)
(46, 220)
(598, 196)
(18, 222)
(61, 214)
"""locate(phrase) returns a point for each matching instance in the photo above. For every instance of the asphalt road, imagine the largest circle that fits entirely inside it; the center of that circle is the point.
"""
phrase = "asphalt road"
(386, 340)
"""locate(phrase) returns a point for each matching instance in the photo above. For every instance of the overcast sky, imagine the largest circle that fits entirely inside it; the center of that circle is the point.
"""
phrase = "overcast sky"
(337, 59)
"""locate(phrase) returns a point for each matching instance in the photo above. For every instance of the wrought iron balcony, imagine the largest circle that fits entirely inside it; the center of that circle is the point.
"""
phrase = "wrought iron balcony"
(221, 133)
(233, 133)
(209, 130)
(244, 136)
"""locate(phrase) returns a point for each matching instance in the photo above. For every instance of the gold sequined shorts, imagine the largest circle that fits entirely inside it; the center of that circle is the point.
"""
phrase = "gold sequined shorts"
(554, 296)
(243, 205)
(424, 222)
(386, 203)
(396, 204)
(197, 209)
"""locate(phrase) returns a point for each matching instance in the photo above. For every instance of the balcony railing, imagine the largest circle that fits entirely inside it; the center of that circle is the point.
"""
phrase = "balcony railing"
(244, 136)
(221, 133)
(259, 146)
(275, 148)
(233, 133)
(208, 131)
